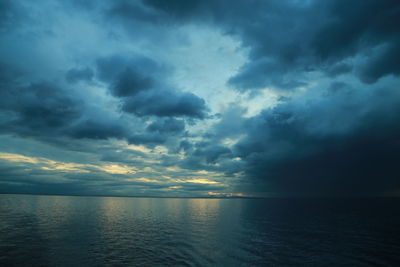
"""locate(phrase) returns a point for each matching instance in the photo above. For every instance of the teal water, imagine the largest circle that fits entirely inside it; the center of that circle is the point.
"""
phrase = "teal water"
(111, 231)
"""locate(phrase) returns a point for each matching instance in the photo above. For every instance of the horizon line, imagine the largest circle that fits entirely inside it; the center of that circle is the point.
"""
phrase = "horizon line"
(204, 197)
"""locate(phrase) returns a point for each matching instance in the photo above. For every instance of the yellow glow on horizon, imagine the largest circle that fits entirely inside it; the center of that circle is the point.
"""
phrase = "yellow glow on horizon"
(138, 148)
(53, 165)
(148, 169)
(67, 167)
(199, 177)
(142, 179)
(175, 187)
(218, 194)
(208, 173)
(116, 169)
(18, 158)
(173, 169)
(201, 181)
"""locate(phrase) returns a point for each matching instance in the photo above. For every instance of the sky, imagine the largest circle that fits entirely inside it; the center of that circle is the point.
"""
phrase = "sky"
(210, 98)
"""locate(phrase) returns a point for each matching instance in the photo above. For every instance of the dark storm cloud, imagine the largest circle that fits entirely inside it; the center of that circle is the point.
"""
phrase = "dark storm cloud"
(169, 125)
(275, 32)
(212, 153)
(150, 139)
(10, 14)
(5, 12)
(80, 74)
(354, 26)
(384, 62)
(185, 146)
(287, 39)
(344, 143)
(37, 108)
(158, 132)
(141, 84)
(205, 156)
(98, 129)
(341, 140)
(127, 77)
(48, 110)
(338, 69)
(133, 10)
(166, 104)
(130, 82)
(265, 72)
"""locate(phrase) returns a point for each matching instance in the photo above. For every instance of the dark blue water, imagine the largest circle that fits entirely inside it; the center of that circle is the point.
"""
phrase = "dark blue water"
(107, 231)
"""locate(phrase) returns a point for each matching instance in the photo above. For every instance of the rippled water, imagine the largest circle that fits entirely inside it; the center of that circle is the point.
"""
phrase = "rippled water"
(108, 231)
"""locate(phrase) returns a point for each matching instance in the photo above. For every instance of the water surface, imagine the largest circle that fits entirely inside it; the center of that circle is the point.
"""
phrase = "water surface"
(111, 231)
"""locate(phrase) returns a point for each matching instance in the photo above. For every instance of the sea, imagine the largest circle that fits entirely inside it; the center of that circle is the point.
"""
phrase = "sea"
(77, 231)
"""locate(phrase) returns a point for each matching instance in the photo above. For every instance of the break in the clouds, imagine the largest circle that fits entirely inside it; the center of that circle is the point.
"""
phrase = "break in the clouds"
(200, 98)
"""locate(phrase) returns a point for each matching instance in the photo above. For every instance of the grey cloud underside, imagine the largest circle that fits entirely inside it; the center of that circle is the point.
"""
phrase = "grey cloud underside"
(82, 74)
(159, 131)
(35, 108)
(127, 77)
(141, 84)
(165, 104)
(342, 140)
(346, 144)
(287, 39)
(44, 110)
(167, 126)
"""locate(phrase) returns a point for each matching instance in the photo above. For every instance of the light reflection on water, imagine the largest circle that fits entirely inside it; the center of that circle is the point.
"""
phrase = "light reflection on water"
(108, 231)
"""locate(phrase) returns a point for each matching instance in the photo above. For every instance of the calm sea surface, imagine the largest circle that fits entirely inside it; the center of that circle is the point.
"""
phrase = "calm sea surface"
(108, 231)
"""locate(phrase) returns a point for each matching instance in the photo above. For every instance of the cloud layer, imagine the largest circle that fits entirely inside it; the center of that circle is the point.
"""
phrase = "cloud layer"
(127, 97)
